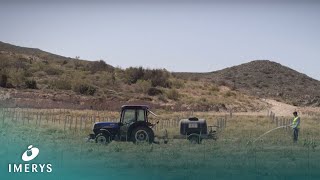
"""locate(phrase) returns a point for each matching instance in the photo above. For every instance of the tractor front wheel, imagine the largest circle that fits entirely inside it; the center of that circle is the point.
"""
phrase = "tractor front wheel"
(142, 134)
(103, 138)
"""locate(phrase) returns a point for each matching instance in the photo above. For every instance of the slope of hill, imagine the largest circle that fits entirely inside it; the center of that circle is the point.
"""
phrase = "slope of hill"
(30, 75)
(268, 79)
(34, 78)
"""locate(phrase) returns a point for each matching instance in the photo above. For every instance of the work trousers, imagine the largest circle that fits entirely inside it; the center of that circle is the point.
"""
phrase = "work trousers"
(295, 134)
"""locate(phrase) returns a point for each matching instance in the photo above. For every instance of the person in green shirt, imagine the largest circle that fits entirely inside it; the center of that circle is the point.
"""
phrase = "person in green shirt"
(295, 126)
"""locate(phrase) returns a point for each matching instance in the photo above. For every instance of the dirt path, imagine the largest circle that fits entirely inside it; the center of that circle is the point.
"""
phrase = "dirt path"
(280, 108)
(283, 109)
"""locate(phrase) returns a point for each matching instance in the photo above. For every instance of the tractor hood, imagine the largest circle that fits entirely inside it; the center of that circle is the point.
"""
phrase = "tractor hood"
(100, 125)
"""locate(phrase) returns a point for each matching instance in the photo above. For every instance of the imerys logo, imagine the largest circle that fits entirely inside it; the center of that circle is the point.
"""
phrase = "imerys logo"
(30, 154)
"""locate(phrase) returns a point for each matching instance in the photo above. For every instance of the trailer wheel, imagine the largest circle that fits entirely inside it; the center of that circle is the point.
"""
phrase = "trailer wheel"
(103, 138)
(194, 139)
(142, 134)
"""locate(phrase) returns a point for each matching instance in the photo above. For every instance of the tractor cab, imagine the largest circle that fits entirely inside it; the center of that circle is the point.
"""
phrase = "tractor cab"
(132, 117)
(133, 126)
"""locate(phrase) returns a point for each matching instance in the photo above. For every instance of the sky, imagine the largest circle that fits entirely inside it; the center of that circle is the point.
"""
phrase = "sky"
(181, 36)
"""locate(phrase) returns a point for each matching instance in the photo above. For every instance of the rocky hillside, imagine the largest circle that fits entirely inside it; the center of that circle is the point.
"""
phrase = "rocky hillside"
(35, 78)
(269, 79)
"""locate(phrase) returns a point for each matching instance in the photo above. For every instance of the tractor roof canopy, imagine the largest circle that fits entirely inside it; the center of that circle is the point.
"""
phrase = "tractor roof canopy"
(144, 107)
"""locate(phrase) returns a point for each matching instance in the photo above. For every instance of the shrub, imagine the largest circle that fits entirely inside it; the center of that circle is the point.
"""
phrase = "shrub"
(158, 77)
(222, 83)
(143, 86)
(153, 91)
(61, 84)
(31, 84)
(52, 71)
(20, 64)
(99, 66)
(203, 99)
(173, 94)
(64, 62)
(162, 98)
(229, 94)
(3, 80)
(214, 89)
(85, 89)
(177, 83)
(17, 77)
(134, 74)
(194, 78)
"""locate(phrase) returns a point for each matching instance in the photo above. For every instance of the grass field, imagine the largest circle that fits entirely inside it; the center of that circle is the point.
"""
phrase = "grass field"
(230, 157)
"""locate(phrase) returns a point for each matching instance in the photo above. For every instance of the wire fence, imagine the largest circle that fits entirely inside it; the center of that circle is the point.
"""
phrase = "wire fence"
(280, 121)
(74, 120)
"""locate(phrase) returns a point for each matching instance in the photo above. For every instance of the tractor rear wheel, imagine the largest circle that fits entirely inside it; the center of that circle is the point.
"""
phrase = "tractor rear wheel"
(142, 134)
(103, 138)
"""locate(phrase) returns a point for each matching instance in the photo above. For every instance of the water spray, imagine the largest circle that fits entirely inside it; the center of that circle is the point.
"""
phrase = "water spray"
(249, 142)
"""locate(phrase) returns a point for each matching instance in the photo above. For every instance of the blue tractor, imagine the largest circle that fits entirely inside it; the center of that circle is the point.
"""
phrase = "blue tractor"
(133, 126)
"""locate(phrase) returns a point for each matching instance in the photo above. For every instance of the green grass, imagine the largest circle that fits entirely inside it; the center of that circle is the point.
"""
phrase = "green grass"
(272, 157)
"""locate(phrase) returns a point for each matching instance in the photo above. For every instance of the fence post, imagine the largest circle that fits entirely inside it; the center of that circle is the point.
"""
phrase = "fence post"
(3, 116)
(81, 118)
(39, 123)
(65, 123)
(85, 121)
(70, 121)
(22, 116)
(28, 116)
(75, 127)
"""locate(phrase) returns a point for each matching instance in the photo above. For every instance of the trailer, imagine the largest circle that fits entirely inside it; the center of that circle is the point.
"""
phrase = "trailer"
(134, 126)
(195, 130)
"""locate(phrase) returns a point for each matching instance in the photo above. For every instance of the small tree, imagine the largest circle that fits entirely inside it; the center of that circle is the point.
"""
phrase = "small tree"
(85, 89)
(173, 94)
(3, 80)
(31, 84)
(153, 91)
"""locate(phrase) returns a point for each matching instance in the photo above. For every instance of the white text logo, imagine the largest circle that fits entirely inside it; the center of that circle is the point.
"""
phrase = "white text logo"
(28, 155)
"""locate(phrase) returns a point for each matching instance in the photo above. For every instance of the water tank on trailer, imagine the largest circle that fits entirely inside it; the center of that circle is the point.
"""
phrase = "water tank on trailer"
(193, 126)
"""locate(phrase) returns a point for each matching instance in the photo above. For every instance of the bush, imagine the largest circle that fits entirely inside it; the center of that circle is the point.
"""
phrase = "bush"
(134, 74)
(162, 98)
(52, 71)
(194, 78)
(143, 86)
(157, 77)
(177, 83)
(61, 84)
(214, 89)
(99, 66)
(173, 94)
(85, 89)
(31, 84)
(229, 94)
(153, 91)
(3, 80)
(222, 83)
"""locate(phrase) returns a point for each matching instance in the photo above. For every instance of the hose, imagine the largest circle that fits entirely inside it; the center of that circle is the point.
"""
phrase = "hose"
(268, 133)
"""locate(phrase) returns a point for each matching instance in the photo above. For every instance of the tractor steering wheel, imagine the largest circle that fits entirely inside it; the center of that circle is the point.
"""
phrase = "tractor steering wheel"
(129, 122)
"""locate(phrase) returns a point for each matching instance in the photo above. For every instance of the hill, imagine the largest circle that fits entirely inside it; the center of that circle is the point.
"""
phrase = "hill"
(267, 79)
(56, 81)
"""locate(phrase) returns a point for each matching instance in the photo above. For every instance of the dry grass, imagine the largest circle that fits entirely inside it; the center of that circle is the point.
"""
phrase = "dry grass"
(229, 155)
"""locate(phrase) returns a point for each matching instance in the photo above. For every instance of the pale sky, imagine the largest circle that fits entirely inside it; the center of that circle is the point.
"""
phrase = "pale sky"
(189, 36)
